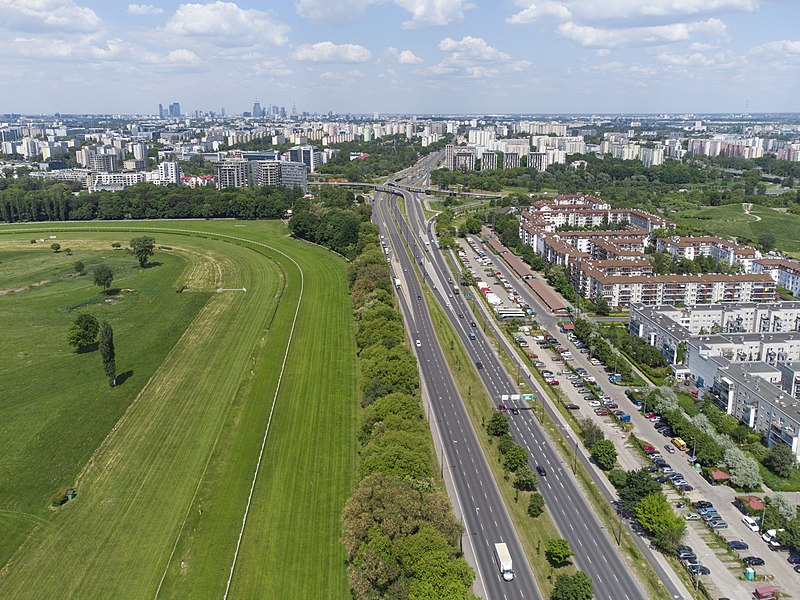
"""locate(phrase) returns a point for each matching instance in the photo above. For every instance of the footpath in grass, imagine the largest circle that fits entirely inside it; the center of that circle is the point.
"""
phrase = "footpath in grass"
(177, 471)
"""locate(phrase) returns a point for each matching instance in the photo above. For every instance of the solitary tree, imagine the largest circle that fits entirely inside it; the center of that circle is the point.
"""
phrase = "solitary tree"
(498, 424)
(525, 479)
(55, 247)
(536, 505)
(83, 331)
(68, 251)
(767, 241)
(103, 276)
(558, 551)
(143, 248)
(80, 268)
(573, 587)
(780, 460)
(604, 454)
(107, 353)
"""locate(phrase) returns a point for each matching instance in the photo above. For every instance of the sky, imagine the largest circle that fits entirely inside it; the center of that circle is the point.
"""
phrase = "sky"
(401, 56)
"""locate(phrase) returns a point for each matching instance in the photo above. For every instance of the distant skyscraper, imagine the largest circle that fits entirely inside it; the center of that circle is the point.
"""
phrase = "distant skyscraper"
(160, 111)
(257, 110)
(294, 109)
(222, 111)
(175, 109)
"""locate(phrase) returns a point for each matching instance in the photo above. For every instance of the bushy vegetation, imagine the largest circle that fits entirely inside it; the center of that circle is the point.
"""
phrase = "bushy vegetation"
(29, 199)
(400, 535)
(590, 334)
(333, 221)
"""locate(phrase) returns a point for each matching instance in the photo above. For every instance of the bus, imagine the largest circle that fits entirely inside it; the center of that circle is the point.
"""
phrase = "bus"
(679, 444)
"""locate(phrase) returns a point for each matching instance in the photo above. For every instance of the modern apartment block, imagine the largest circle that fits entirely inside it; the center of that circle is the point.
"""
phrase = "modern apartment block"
(240, 172)
(570, 230)
(714, 247)
(784, 271)
(746, 354)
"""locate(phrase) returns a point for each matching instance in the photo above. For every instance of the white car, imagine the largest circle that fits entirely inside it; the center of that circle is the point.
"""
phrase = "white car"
(594, 403)
(419, 344)
(691, 517)
(750, 523)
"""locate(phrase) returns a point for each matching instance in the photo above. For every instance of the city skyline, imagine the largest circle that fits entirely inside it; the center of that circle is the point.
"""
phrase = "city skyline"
(401, 56)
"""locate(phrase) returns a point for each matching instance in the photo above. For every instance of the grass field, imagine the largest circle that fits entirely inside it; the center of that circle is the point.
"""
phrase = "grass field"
(731, 220)
(161, 498)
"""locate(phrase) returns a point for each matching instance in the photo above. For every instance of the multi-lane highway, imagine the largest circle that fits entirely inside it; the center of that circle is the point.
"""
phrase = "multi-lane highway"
(596, 553)
(477, 497)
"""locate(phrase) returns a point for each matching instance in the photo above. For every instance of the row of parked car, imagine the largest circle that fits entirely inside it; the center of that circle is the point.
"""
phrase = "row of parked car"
(689, 559)
(667, 473)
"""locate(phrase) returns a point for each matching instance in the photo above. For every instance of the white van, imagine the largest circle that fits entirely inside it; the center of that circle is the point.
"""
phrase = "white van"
(750, 522)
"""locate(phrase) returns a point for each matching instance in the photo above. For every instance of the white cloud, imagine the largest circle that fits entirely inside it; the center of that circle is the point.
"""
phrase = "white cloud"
(540, 10)
(602, 52)
(779, 47)
(328, 52)
(144, 9)
(183, 56)
(332, 12)
(474, 58)
(425, 13)
(626, 13)
(32, 15)
(472, 48)
(404, 57)
(225, 24)
(701, 46)
(334, 76)
(588, 36)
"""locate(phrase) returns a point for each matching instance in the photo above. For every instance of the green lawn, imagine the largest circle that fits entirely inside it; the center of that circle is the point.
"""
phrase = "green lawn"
(731, 220)
(161, 501)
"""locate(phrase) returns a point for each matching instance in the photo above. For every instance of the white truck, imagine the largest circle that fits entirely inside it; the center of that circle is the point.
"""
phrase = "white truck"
(503, 557)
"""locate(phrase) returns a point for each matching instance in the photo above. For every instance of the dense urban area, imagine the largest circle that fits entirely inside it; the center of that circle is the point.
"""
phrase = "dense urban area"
(400, 356)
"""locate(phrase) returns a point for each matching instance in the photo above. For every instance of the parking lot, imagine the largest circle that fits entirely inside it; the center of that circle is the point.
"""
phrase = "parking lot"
(708, 537)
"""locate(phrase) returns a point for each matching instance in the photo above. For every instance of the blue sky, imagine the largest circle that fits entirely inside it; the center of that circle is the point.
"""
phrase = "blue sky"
(408, 56)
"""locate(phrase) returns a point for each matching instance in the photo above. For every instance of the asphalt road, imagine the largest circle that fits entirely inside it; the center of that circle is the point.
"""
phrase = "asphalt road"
(596, 553)
(477, 497)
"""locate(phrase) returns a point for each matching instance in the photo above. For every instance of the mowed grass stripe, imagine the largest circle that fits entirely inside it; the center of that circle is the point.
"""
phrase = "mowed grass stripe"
(115, 539)
(291, 548)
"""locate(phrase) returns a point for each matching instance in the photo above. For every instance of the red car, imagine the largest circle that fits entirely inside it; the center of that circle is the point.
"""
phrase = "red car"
(650, 415)
(553, 382)
(502, 407)
(648, 448)
(612, 406)
(601, 412)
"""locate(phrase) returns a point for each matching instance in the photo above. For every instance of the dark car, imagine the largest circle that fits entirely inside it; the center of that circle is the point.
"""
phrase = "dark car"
(753, 561)
(540, 470)
(474, 324)
(702, 504)
(573, 407)
(515, 411)
(479, 364)
(794, 559)
(738, 545)
(699, 570)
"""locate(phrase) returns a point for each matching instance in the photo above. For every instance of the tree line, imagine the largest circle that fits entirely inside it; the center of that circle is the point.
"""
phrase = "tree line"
(400, 536)
(56, 201)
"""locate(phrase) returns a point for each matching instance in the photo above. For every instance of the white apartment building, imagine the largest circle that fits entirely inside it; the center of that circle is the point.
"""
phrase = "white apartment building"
(714, 247)
(784, 271)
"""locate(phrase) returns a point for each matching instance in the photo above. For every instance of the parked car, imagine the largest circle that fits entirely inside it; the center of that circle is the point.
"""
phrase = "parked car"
(601, 412)
(691, 516)
(669, 448)
(753, 561)
(699, 570)
(738, 545)
(594, 403)
(573, 407)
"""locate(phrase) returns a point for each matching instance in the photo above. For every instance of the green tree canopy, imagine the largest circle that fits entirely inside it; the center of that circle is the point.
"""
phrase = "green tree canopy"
(780, 460)
(536, 505)
(83, 331)
(103, 276)
(604, 454)
(573, 587)
(498, 424)
(143, 248)
(558, 551)
(108, 353)
(655, 515)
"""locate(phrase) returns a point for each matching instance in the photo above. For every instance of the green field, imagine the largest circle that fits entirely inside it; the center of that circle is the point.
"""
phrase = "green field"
(731, 220)
(163, 464)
